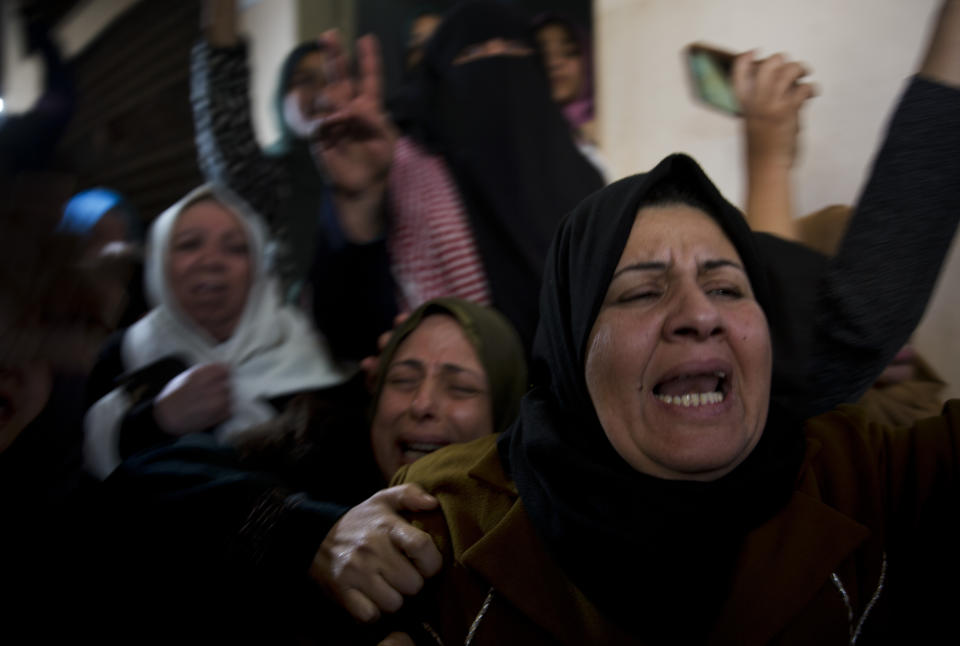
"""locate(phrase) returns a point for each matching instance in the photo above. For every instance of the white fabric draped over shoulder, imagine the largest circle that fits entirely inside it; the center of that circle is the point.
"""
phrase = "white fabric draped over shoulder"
(273, 351)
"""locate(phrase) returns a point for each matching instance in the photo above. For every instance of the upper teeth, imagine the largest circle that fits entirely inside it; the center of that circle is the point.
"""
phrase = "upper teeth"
(692, 399)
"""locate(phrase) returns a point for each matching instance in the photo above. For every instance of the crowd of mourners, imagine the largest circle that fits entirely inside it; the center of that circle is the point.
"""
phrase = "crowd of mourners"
(417, 373)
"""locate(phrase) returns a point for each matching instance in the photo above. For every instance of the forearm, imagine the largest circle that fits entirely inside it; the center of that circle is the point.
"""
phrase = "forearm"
(196, 494)
(878, 284)
(769, 205)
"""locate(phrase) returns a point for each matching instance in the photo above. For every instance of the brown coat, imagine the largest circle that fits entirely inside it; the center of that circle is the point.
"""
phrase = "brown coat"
(853, 516)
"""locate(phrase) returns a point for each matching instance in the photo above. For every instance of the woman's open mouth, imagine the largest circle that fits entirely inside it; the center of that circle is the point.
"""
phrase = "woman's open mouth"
(693, 389)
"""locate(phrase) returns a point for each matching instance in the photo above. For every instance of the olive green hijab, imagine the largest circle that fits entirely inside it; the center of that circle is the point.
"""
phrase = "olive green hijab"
(495, 341)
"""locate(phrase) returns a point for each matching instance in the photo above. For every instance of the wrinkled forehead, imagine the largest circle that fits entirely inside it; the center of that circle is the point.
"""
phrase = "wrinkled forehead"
(675, 231)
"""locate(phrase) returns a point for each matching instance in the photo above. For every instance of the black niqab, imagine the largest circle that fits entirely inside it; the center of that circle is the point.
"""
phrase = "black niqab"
(507, 144)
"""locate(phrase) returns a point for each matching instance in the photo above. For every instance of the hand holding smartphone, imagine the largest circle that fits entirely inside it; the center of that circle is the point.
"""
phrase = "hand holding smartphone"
(710, 76)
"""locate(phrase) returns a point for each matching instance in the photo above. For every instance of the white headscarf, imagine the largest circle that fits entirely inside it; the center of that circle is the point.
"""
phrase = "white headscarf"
(273, 350)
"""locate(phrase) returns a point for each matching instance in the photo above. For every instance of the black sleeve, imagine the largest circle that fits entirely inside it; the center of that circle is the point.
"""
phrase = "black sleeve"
(109, 366)
(878, 285)
(195, 493)
(138, 427)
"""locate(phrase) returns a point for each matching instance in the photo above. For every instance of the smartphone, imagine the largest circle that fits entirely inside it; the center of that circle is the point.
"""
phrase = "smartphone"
(710, 76)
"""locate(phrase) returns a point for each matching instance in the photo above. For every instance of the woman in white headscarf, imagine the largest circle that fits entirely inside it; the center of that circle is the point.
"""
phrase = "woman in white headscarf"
(217, 353)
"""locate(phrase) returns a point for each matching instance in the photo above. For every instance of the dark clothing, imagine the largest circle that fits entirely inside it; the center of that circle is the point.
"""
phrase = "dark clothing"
(231, 532)
(217, 549)
(28, 140)
(46, 503)
(581, 495)
(879, 282)
(864, 544)
(510, 150)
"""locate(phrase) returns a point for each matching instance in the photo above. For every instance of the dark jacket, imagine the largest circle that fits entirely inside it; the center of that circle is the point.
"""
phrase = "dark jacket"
(871, 513)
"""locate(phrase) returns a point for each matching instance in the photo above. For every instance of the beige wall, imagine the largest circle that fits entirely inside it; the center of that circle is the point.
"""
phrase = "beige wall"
(272, 32)
(274, 27)
(860, 50)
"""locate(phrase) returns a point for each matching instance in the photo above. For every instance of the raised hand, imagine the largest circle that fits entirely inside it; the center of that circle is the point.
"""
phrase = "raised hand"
(771, 94)
(372, 557)
(194, 400)
(355, 142)
(218, 21)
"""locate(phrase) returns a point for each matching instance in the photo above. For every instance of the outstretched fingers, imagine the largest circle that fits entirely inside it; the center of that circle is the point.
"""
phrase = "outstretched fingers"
(371, 68)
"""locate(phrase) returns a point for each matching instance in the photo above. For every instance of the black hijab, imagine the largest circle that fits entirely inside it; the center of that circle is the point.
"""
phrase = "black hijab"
(654, 555)
(507, 145)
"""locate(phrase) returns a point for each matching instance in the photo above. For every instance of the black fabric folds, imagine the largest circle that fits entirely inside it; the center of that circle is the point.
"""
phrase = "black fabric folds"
(654, 555)
(507, 145)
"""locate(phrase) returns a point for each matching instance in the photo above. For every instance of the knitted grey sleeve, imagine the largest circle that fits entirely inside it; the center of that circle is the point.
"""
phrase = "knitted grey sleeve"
(227, 149)
(877, 286)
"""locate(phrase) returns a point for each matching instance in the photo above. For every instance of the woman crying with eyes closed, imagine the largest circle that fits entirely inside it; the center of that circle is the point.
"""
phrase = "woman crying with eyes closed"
(453, 372)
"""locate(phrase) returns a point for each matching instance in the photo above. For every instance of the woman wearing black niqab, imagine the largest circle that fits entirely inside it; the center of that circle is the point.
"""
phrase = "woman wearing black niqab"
(516, 167)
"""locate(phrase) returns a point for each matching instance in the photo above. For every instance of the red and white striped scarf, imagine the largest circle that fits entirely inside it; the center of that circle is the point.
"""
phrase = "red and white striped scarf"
(431, 244)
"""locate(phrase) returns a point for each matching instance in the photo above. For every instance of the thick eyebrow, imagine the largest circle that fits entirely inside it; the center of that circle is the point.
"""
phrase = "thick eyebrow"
(710, 265)
(640, 266)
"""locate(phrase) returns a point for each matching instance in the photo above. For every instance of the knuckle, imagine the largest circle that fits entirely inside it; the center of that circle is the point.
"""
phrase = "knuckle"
(419, 541)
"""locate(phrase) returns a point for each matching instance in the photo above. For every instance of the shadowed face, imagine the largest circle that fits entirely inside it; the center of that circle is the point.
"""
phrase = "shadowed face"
(563, 60)
(679, 358)
(208, 266)
(421, 30)
(435, 393)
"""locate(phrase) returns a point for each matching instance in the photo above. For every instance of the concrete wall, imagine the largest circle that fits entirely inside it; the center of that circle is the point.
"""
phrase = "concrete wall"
(860, 51)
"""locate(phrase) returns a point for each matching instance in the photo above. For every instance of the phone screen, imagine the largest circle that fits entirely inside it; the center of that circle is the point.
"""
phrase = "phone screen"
(710, 73)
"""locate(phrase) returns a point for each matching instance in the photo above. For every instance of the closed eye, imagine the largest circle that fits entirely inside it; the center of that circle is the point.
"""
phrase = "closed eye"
(639, 295)
(726, 292)
(464, 391)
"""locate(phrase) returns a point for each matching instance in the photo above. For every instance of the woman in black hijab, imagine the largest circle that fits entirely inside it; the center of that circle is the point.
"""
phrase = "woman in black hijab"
(653, 490)
(481, 100)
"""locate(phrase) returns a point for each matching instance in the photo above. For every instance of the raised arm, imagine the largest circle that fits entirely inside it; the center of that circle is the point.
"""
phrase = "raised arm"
(771, 95)
(878, 285)
(355, 143)
(227, 149)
